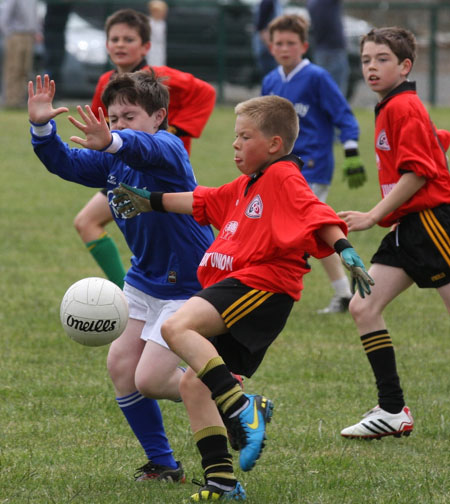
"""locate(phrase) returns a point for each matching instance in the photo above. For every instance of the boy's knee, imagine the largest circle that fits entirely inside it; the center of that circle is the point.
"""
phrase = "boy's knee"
(169, 330)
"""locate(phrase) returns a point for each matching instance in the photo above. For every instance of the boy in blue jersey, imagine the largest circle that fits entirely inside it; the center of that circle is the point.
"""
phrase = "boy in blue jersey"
(321, 108)
(166, 249)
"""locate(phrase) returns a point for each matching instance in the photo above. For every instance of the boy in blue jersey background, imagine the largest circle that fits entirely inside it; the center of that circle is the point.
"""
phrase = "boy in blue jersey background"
(166, 249)
(321, 108)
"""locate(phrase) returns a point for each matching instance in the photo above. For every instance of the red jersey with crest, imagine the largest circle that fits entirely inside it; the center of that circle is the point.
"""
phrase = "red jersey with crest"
(407, 141)
(191, 100)
(267, 226)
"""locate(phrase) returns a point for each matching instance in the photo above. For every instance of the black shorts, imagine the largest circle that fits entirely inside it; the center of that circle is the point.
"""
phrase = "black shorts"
(104, 192)
(254, 319)
(420, 245)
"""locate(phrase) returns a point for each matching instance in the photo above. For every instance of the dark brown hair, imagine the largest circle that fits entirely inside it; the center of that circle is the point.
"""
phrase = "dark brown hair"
(138, 88)
(401, 41)
(133, 19)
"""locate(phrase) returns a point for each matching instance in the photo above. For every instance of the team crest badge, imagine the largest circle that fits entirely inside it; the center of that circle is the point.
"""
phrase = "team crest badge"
(229, 230)
(382, 141)
(255, 208)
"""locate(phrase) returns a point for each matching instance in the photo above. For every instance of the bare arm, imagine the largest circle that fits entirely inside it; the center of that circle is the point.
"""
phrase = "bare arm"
(178, 202)
(405, 188)
(330, 234)
(131, 201)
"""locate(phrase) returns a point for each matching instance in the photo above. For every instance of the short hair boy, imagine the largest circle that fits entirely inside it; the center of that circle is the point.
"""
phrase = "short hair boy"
(162, 273)
(415, 184)
(321, 108)
(191, 104)
(251, 276)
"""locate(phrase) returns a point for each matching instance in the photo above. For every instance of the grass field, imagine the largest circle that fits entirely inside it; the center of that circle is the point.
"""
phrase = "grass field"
(62, 437)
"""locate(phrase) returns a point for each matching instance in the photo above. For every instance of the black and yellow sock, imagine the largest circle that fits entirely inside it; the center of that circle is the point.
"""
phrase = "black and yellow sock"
(225, 389)
(380, 352)
(217, 462)
(107, 256)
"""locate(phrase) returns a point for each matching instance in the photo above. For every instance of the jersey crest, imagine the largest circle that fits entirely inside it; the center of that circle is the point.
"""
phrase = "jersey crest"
(229, 230)
(382, 141)
(255, 208)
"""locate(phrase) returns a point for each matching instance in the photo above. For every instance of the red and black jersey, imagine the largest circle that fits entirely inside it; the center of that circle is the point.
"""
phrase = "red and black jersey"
(407, 141)
(267, 226)
(191, 100)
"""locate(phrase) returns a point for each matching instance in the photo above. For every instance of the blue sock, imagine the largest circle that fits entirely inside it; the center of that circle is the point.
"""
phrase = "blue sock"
(145, 419)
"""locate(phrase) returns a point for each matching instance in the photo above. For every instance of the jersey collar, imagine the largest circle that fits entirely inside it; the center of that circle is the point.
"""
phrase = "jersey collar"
(289, 157)
(407, 86)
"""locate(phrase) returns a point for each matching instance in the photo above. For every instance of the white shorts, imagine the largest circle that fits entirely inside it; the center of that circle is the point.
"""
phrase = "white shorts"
(320, 190)
(153, 311)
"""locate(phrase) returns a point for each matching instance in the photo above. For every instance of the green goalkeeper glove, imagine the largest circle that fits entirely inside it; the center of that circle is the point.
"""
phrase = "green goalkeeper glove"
(361, 280)
(131, 201)
(353, 169)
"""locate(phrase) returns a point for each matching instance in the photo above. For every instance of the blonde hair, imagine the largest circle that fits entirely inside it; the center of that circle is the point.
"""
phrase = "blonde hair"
(273, 116)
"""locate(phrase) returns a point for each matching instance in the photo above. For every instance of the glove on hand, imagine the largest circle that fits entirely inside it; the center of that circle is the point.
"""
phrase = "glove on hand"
(353, 169)
(131, 201)
(360, 278)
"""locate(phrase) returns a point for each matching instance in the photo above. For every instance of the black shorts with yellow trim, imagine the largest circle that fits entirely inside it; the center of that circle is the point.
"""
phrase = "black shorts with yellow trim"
(254, 319)
(420, 245)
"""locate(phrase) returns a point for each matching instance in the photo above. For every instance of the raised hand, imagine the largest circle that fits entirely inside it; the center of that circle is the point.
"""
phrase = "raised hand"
(40, 102)
(98, 135)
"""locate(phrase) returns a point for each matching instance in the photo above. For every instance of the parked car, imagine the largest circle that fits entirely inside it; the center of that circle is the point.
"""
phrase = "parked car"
(212, 40)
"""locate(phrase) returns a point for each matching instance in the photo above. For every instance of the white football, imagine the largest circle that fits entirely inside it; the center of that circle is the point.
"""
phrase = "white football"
(94, 311)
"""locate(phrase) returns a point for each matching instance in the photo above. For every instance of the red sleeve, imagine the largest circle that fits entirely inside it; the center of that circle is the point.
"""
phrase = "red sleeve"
(444, 138)
(211, 204)
(297, 219)
(191, 100)
(97, 98)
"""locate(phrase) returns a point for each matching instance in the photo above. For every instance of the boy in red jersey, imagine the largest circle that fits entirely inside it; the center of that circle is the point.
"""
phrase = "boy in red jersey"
(191, 103)
(415, 187)
(269, 220)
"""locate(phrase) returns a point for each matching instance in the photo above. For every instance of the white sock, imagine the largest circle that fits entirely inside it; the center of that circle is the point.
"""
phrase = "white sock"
(342, 287)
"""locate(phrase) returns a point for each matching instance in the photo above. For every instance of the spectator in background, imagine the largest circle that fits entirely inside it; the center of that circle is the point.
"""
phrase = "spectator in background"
(19, 24)
(266, 11)
(328, 39)
(55, 22)
(158, 28)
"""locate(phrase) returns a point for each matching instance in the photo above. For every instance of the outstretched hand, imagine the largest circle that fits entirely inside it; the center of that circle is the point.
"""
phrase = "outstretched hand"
(131, 201)
(357, 221)
(98, 135)
(361, 280)
(40, 102)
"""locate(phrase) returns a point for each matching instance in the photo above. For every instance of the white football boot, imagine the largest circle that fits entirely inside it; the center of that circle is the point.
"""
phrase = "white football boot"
(378, 423)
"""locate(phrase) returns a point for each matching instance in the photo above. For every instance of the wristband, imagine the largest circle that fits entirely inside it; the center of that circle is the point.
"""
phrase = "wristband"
(342, 244)
(156, 201)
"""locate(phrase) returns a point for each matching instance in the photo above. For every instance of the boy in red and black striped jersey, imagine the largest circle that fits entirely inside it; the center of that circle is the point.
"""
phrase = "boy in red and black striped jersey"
(415, 187)
(269, 220)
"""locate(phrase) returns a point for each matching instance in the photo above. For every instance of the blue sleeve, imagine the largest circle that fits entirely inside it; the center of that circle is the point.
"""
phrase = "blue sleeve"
(83, 166)
(337, 107)
(162, 153)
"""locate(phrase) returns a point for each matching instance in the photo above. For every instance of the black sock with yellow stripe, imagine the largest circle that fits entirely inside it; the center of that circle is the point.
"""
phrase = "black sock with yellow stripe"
(380, 352)
(217, 462)
(225, 389)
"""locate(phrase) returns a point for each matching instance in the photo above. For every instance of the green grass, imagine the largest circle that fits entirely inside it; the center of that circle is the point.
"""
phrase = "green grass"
(62, 438)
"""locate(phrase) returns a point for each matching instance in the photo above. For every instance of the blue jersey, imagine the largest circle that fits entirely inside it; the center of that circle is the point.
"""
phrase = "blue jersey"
(167, 247)
(321, 108)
